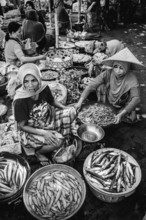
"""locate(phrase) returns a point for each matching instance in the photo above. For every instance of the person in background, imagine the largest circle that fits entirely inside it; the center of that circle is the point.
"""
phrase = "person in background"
(39, 116)
(109, 48)
(122, 87)
(33, 29)
(92, 13)
(13, 50)
(29, 6)
(2, 40)
(63, 17)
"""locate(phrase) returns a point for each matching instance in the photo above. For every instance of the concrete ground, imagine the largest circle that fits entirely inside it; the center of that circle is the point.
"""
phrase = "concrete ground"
(130, 138)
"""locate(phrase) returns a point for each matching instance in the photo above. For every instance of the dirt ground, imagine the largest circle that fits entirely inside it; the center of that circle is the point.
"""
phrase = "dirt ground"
(130, 138)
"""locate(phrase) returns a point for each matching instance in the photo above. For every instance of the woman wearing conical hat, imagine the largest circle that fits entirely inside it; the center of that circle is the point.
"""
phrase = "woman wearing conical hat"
(122, 87)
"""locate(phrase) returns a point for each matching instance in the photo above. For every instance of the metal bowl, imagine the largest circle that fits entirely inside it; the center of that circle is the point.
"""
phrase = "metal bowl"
(8, 158)
(90, 133)
(42, 199)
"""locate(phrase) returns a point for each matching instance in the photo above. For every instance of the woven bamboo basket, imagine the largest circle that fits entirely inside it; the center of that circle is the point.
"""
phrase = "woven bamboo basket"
(59, 53)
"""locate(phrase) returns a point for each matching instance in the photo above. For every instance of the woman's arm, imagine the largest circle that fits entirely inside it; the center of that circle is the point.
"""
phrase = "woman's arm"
(91, 6)
(58, 104)
(134, 101)
(22, 125)
(91, 87)
(49, 135)
(25, 59)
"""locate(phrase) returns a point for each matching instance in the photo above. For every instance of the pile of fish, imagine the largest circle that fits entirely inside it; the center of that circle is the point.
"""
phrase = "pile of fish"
(12, 177)
(54, 194)
(111, 171)
(97, 114)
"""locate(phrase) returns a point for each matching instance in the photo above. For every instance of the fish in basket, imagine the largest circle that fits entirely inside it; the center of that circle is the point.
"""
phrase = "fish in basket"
(14, 171)
(99, 114)
(54, 192)
(111, 174)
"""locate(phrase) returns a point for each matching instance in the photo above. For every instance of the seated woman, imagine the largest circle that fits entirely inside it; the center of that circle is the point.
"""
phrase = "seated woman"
(63, 17)
(13, 50)
(33, 29)
(122, 88)
(35, 113)
(29, 6)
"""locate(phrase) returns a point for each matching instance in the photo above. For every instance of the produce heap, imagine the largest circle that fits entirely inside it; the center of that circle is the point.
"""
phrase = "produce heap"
(97, 114)
(72, 79)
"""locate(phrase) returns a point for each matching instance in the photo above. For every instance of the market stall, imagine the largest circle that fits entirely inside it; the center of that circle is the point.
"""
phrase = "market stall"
(94, 165)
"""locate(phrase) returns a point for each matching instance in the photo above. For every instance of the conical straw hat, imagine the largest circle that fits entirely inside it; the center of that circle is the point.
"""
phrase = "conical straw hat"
(124, 55)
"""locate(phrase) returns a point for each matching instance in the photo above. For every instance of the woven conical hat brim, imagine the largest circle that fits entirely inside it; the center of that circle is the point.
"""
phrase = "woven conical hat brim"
(125, 55)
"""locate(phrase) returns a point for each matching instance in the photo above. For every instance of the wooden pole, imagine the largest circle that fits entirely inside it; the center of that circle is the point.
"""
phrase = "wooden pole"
(39, 4)
(79, 11)
(50, 12)
(56, 25)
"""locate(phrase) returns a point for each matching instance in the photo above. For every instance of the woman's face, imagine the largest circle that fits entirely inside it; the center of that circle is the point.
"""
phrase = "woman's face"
(31, 84)
(119, 70)
(28, 7)
(17, 34)
(102, 3)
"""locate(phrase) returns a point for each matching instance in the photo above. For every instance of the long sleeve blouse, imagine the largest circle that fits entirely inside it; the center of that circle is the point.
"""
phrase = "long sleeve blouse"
(104, 78)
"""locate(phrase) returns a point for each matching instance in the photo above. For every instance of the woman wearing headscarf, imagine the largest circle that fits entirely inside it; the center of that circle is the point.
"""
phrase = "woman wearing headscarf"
(13, 50)
(122, 87)
(33, 29)
(35, 113)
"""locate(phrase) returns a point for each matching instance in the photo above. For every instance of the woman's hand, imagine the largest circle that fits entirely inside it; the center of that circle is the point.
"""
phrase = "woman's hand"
(77, 106)
(119, 116)
(50, 137)
(43, 57)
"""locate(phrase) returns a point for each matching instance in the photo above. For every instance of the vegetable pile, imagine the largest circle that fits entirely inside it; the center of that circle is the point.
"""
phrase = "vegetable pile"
(71, 79)
(57, 93)
(54, 194)
(8, 134)
(49, 75)
(97, 114)
(9, 138)
(111, 171)
(12, 177)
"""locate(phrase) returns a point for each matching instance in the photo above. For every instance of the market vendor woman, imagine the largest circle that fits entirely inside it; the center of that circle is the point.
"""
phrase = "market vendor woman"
(35, 113)
(122, 87)
(13, 50)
